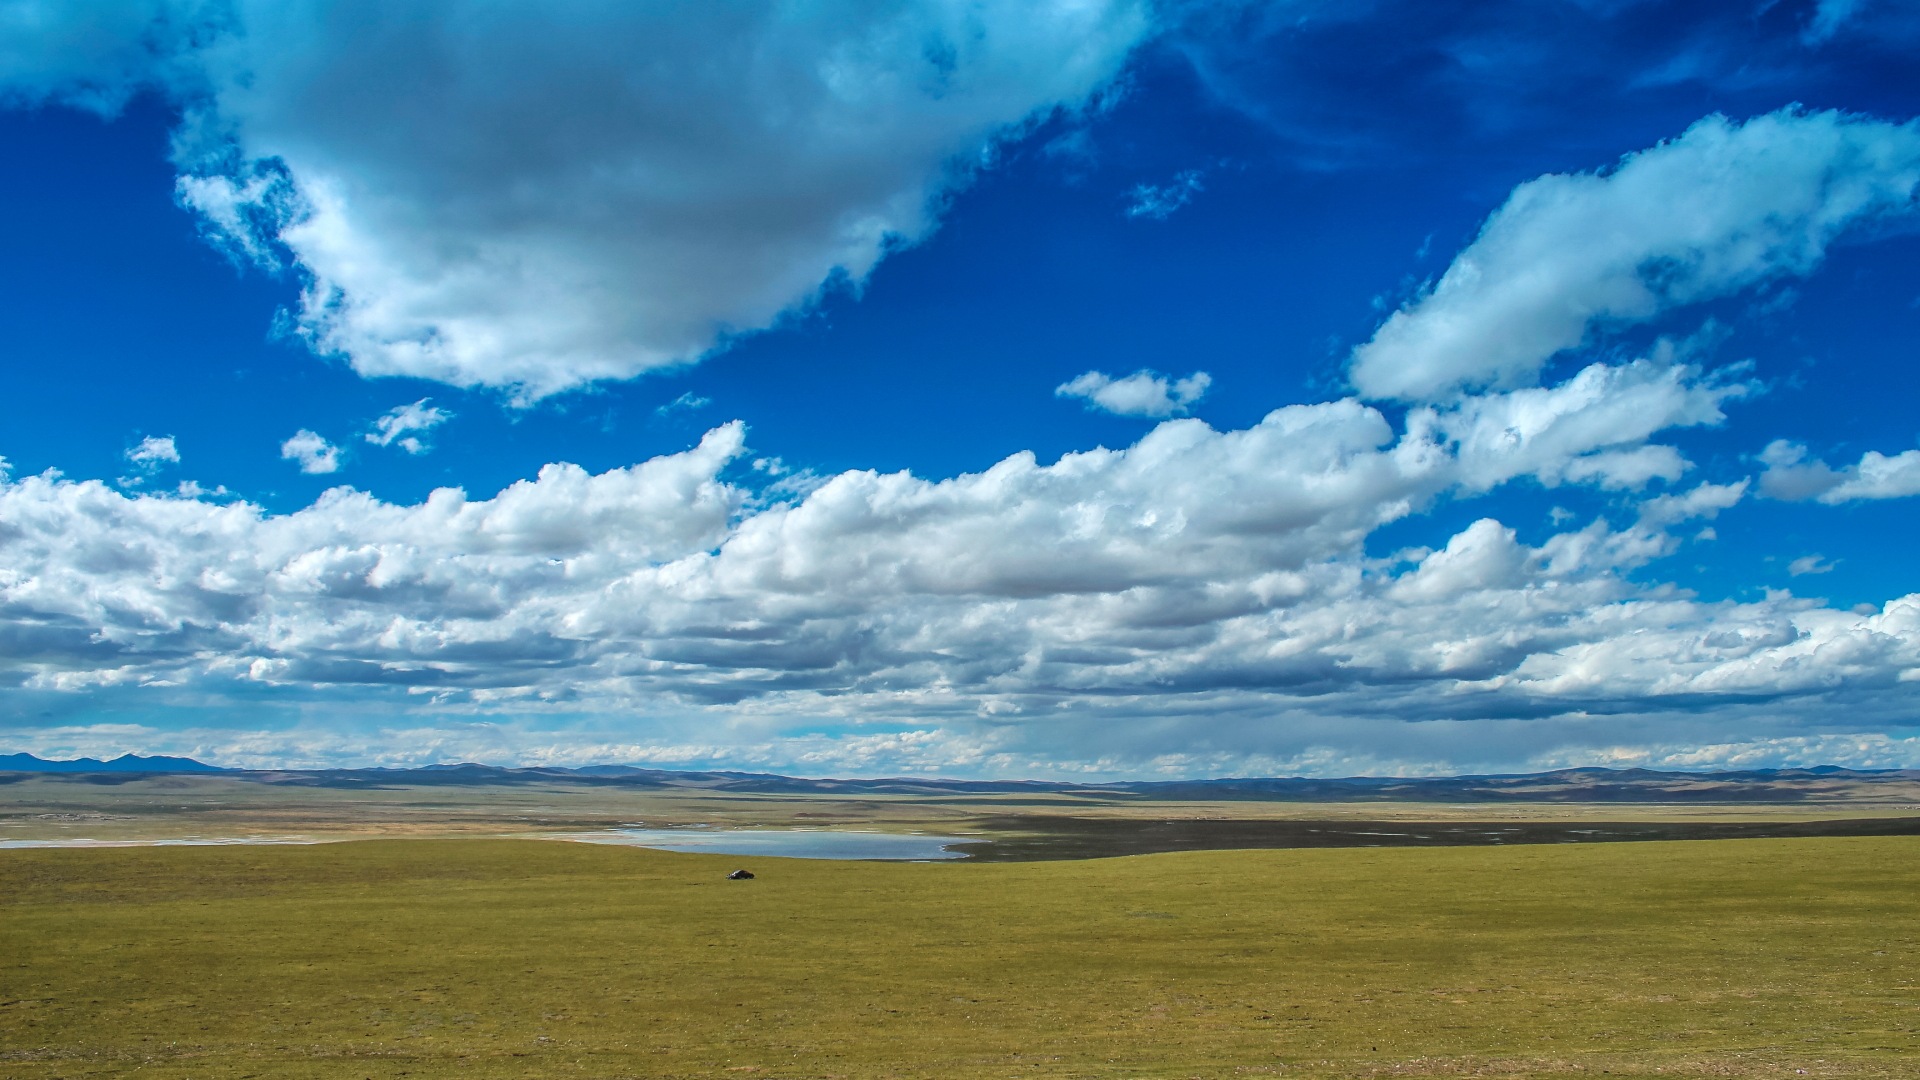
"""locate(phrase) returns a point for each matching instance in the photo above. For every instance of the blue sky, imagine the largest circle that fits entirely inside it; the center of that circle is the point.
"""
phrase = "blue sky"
(1091, 389)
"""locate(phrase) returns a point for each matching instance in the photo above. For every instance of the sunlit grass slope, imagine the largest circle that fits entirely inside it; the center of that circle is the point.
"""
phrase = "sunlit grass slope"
(538, 959)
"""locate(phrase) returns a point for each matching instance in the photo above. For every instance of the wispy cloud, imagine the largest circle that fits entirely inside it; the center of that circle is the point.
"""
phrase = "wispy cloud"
(1829, 16)
(685, 403)
(1809, 564)
(1158, 202)
(406, 425)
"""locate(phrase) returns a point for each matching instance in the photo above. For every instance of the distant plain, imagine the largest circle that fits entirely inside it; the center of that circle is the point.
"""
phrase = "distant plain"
(135, 806)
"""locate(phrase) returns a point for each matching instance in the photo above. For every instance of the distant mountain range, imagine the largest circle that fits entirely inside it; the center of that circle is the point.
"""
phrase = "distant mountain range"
(123, 763)
(1564, 785)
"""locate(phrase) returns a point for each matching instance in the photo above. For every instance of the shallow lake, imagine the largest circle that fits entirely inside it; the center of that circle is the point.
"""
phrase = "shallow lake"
(787, 843)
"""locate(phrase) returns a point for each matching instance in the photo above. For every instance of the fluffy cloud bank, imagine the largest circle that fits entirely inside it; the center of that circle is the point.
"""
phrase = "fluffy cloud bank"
(1722, 208)
(536, 198)
(1196, 590)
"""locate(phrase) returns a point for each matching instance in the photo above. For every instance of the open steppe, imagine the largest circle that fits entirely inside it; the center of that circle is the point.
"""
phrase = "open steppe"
(500, 958)
(443, 934)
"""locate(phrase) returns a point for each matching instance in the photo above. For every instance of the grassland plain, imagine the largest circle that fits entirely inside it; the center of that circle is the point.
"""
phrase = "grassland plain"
(502, 958)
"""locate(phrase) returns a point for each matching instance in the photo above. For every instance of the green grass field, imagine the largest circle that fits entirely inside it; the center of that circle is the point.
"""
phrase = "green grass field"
(488, 958)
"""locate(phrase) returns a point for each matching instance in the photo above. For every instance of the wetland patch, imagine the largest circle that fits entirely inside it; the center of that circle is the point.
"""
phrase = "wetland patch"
(1039, 837)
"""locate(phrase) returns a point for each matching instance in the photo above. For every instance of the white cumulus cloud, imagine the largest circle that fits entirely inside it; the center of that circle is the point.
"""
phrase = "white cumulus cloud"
(404, 426)
(313, 453)
(1593, 428)
(1722, 208)
(535, 198)
(1143, 393)
(1200, 588)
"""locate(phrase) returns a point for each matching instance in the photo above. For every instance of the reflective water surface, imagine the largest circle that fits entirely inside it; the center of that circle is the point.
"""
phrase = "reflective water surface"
(787, 843)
